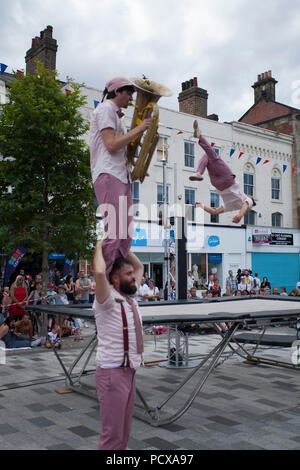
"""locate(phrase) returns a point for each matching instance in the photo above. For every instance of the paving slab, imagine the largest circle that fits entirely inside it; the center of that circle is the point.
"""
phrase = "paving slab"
(241, 406)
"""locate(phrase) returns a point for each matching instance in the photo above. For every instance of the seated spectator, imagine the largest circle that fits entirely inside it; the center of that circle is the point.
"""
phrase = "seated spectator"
(294, 293)
(8, 336)
(283, 291)
(24, 327)
(54, 336)
(261, 292)
(244, 292)
(238, 293)
(192, 294)
(67, 326)
(153, 293)
(275, 291)
(267, 291)
(253, 292)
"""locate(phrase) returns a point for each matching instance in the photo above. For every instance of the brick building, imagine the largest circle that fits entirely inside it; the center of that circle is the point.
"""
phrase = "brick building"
(268, 113)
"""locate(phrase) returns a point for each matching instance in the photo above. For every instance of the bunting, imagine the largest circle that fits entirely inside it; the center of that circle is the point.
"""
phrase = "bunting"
(212, 144)
(266, 161)
(293, 169)
(241, 153)
(258, 160)
(96, 103)
(232, 152)
(3, 67)
(284, 168)
(20, 74)
(68, 92)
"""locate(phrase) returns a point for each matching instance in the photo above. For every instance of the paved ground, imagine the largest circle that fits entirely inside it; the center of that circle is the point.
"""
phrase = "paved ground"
(241, 406)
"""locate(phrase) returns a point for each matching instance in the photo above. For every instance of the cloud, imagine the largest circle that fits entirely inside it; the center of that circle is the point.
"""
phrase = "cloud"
(223, 43)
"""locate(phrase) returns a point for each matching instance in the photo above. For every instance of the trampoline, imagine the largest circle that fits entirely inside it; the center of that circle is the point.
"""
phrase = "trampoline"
(226, 315)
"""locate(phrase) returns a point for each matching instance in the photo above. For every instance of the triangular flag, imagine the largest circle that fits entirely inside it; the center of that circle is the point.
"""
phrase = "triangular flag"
(3, 67)
(258, 160)
(169, 127)
(68, 92)
(96, 103)
(266, 161)
(293, 169)
(241, 153)
(232, 152)
(180, 132)
(20, 74)
(284, 168)
(212, 144)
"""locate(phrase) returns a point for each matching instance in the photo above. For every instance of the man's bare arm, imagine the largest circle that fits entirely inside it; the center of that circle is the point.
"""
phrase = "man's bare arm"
(114, 142)
(102, 290)
(137, 266)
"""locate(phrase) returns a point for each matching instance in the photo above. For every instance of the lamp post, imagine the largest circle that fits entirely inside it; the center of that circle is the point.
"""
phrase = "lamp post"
(166, 268)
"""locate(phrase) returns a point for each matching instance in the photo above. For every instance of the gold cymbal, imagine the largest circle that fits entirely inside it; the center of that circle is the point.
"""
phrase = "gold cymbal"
(150, 86)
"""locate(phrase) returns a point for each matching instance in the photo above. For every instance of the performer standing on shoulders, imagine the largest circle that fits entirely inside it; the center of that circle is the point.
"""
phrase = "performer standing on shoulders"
(110, 175)
(120, 346)
(223, 180)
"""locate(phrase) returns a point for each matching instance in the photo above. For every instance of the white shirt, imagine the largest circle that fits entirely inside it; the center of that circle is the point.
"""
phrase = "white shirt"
(110, 351)
(142, 290)
(234, 198)
(153, 291)
(105, 116)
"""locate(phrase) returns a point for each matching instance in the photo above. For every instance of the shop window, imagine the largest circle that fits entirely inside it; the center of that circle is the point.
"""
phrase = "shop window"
(135, 189)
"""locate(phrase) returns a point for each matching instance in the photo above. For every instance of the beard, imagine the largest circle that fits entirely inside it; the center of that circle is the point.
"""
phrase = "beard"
(128, 288)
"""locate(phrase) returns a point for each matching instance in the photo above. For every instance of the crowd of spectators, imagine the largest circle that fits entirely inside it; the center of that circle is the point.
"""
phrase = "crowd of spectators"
(22, 328)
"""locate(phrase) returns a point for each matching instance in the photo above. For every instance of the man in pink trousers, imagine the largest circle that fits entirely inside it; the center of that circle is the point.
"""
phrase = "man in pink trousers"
(223, 180)
(110, 175)
(120, 346)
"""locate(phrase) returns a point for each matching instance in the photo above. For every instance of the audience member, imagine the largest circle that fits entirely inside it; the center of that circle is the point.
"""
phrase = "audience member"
(143, 291)
(18, 293)
(153, 293)
(69, 288)
(283, 291)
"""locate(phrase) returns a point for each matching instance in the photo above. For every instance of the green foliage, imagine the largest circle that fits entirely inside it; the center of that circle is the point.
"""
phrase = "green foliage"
(46, 195)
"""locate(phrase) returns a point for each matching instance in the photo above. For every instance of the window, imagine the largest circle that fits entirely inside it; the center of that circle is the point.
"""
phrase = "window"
(190, 204)
(248, 183)
(275, 183)
(189, 154)
(160, 194)
(162, 148)
(276, 219)
(250, 218)
(214, 203)
(135, 189)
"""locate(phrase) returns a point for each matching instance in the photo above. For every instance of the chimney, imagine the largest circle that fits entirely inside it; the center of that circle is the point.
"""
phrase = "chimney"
(43, 48)
(264, 88)
(192, 99)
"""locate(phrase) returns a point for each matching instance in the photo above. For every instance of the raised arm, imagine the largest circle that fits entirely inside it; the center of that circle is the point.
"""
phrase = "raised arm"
(241, 214)
(210, 210)
(102, 290)
(137, 266)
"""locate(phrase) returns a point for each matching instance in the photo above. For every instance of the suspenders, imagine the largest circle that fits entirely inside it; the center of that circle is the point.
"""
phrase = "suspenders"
(125, 362)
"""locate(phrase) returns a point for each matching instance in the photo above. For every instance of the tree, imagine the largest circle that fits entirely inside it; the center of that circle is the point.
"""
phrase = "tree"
(46, 194)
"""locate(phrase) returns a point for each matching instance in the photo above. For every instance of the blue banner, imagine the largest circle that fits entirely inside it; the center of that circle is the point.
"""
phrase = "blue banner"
(13, 261)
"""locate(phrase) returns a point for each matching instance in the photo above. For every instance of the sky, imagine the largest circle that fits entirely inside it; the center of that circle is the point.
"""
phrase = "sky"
(224, 43)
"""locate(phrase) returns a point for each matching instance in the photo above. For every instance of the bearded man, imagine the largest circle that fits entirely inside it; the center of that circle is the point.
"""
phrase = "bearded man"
(120, 345)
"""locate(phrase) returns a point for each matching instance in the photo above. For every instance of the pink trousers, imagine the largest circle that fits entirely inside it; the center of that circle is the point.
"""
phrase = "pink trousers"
(116, 207)
(219, 172)
(116, 390)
